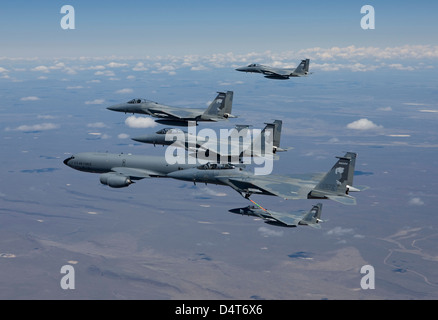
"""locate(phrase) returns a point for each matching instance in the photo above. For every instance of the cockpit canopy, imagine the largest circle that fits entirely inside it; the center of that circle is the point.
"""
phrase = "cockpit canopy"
(216, 166)
(135, 101)
(253, 65)
(169, 130)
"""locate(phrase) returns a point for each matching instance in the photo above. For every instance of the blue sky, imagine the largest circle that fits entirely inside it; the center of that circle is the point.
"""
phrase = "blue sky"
(138, 28)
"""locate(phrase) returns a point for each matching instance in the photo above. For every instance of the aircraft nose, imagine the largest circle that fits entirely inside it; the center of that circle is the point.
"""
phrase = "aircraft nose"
(176, 174)
(143, 139)
(182, 175)
(118, 107)
(67, 160)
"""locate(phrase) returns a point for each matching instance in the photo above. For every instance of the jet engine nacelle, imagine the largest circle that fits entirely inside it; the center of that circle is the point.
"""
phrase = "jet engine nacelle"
(114, 180)
(228, 115)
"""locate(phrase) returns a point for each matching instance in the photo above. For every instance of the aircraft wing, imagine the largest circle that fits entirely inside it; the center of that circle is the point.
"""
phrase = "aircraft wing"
(178, 114)
(275, 73)
(289, 221)
(283, 187)
(135, 174)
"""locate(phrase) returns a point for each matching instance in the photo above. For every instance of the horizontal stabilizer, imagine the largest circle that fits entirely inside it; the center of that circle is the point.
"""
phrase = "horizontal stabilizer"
(348, 200)
(288, 221)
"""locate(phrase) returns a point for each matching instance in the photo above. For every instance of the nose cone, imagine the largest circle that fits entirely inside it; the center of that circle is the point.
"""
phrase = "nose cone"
(145, 139)
(118, 107)
(237, 210)
(241, 69)
(67, 160)
(187, 174)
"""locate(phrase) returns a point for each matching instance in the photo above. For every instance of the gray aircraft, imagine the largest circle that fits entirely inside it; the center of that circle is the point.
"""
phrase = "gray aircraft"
(334, 185)
(214, 148)
(219, 109)
(278, 73)
(121, 170)
(310, 218)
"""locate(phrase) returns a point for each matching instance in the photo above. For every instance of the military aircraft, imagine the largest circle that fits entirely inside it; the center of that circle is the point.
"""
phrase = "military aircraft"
(334, 185)
(310, 218)
(278, 73)
(219, 109)
(121, 170)
(213, 148)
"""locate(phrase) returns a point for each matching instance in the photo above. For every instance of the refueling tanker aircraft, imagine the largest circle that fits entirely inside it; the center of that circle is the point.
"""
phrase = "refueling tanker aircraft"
(121, 170)
(219, 109)
(310, 218)
(278, 73)
(220, 148)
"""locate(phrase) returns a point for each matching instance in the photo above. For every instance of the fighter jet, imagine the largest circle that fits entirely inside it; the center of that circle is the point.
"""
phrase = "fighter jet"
(334, 185)
(310, 218)
(121, 170)
(278, 73)
(219, 109)
(240, 145)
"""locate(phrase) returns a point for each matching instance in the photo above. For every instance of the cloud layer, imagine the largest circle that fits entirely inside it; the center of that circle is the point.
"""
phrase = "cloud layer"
(363, 124)
(35, 127)
(140, 122)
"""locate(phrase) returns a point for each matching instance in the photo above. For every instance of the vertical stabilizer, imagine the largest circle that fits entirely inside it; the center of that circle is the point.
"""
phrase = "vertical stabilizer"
(221, 106)
(334, 185)
(313, 216)
(303, 68)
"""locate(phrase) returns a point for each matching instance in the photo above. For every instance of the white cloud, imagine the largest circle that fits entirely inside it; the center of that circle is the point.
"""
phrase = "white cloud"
(140, 67)
(46, 117)
(95, 101)
(96, 68)
(41, 69)
(363, 124)
(339, 231)
(202, 190)
(36, 127)
(97, 125)
(399, 66)
(333, 140)
(416, 202)
(107, 73)
(58, 65)
(170, 69)
(199, 68)
(3, 70)
(353, 52)
(141, 122)
(266, 232)
(31, 98)
(123, 136)
(116, 65)
(126, 90)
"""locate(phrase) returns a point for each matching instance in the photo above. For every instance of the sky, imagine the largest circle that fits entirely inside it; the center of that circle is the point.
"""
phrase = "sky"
(373, 92)
(139, 28)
